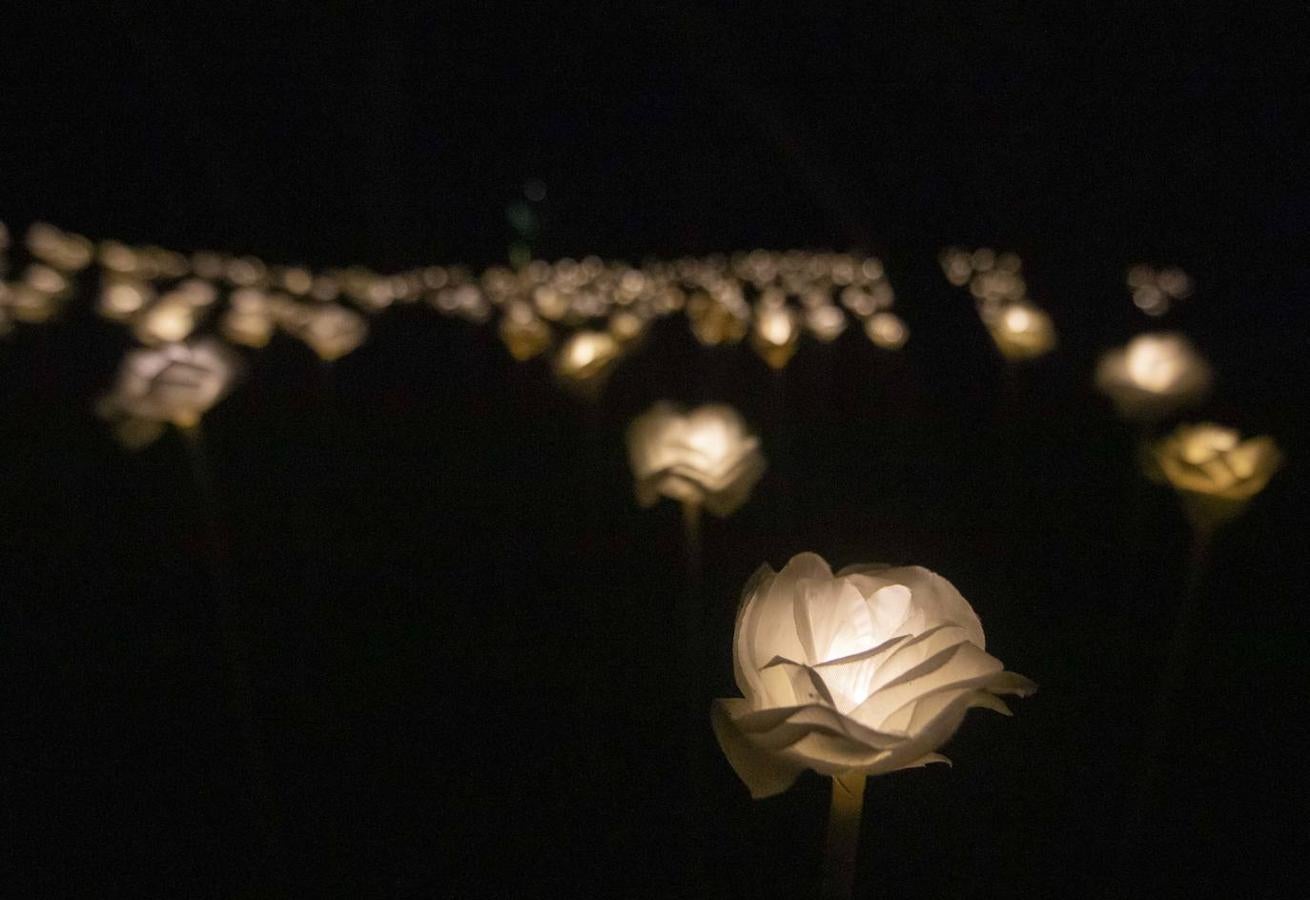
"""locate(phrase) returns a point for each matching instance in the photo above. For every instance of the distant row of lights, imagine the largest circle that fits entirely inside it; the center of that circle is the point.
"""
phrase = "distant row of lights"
(588, 312)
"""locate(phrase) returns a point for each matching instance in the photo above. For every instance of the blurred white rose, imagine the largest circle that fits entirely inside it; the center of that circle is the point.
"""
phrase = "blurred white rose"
(866, 672)
(706, 457)
(1154, 375)
(173, 383)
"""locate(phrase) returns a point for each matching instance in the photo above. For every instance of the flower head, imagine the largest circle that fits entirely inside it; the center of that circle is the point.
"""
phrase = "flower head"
(173, 383)
(1153, 376)
(1021, 331)
(867, 671)
(1214, 469)
(707, 457)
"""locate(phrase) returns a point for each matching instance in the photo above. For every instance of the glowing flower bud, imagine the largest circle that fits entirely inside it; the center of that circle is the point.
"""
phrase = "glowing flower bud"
(825, 321)
(886, 330)
(1214, 470)
(1021, 331)
(174, 383)
(707, 457)
(329, 329)
(525, 335)
(775, 334)
(1153, 376)
(586, 359)
(865, 672)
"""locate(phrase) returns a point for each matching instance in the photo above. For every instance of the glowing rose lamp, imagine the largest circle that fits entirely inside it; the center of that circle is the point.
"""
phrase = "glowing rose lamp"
(775, 334)
(1214, 471)
(1216, 474)
(585, 360)
(172, 384)
(329, 329)
(1021, 331)
(860, 673)
(704, 458)
(1153, 376)
(886, 330)
(523, 332)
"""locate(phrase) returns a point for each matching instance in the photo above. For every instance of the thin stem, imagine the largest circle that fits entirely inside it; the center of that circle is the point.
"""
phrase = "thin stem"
(1160, 721)
(843, 841)
(691, 518)
(235, 652)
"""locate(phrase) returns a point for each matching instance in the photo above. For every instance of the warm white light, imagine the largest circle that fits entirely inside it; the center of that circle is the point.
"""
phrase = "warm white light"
(862, 673)
(776, 334)
(886, 330)
(707, 457)
(586, 358)
(173, 383)
(1021, 331)
(329, 329)
(1155, 374)
(1214, 469)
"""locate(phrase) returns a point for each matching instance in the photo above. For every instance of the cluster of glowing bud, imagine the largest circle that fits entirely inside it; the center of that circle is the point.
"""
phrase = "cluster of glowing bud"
(1018, 326)
(1156, 290)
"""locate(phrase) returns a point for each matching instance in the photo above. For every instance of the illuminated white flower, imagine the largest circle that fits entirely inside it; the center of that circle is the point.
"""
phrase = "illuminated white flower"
(586, 359)
(706, 457)
(1021, 331)
(1153, 376)
(173, 383)
(865, 672)
(775, 334)
(330, 330)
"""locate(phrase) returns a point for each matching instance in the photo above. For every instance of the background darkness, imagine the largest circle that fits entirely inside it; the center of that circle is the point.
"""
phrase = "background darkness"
(449, 621)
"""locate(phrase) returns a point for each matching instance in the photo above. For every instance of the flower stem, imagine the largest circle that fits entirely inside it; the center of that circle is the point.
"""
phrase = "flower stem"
(691, 543)
(234, 649)
(843, 835)
(1160, 722)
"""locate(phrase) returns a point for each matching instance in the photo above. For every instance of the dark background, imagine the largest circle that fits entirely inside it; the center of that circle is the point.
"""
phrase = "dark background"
(420, 644)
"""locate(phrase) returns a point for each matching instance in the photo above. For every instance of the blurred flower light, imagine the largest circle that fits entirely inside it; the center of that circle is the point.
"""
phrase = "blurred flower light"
(886, 330)
(1214, 470)
(775, 334)
(706, 458)
(171, 384)
(1021, 331)
(1153, 376)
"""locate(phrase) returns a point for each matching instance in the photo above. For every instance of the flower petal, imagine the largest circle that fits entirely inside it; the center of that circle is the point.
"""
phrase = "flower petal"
(764, 773)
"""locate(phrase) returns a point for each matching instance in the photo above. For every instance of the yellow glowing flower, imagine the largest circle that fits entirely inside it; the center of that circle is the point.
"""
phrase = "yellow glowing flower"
(1214, 469)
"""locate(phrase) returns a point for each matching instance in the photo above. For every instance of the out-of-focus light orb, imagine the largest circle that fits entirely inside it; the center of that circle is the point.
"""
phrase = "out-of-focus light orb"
(168, 320)
(886, 330)
(715, 322)
(524, 334)
(249, 318)
(707, 457)
(825, 321)
(329, 329)
(626, 327)
(1155, 375)
(122, 298)
(64, 251)
(1214, 462)
(775, 335)
(1021, 331)
(586, 358)
(173, 383)
(865, 672)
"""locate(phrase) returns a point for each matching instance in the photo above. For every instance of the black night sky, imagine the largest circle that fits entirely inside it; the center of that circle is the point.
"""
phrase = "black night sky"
(421, 643)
